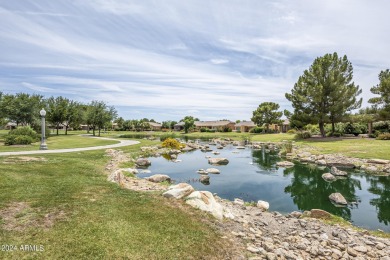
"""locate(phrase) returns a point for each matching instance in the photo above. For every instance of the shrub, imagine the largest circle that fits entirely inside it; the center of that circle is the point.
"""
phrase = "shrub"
(292, 131)
(18, 139)
(287, 147)
(383, 136)
(203, 130)
(382, 126)
(25, 130)
(171, 143)
(355, 128)
(9, 139)
(21, 135)
(226, 129)
(302, 135)
(24, 139)
(256, 130)
(313, 129)
(373, 135)
(165, 136)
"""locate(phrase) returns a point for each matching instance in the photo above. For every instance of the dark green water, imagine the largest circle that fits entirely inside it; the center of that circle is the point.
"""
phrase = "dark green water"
(252, 175)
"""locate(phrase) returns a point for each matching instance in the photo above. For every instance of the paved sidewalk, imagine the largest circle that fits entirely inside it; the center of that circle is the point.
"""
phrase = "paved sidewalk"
(120, 144)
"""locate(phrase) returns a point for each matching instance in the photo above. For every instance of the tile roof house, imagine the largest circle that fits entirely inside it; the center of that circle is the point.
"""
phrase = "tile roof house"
(244, 126)
(179, 126)
(216, 125)
(155, 126)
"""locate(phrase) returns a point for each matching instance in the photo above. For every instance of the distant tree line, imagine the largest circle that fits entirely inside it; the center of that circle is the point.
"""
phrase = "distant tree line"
(23, 109)
(324, 95)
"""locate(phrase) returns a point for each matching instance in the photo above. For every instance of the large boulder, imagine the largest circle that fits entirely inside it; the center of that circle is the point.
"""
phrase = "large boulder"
(143, 162)
(378, 161)
(213, 171)
(158, 178)
(337, 172)
(205, 201)
(263, 205)
(179, 191)
(285, 164)
(338, 198)
(319, 213)
(218, 161)
(328, 177)
(321, 162)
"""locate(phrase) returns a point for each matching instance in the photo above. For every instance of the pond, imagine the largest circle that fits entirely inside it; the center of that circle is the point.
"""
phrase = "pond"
(252, 175)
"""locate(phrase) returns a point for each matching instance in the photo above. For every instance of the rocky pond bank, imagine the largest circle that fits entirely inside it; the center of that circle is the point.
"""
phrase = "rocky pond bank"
(260, 234)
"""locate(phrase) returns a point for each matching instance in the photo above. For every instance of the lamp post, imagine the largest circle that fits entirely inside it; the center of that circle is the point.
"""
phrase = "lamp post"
(43, 137)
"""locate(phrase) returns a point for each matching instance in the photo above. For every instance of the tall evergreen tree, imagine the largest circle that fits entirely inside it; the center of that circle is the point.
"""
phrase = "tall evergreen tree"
(382, 89)
(325, 92)
(267, 114)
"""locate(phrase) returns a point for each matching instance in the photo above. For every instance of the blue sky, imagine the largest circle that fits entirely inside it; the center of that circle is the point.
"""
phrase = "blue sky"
(168, 59)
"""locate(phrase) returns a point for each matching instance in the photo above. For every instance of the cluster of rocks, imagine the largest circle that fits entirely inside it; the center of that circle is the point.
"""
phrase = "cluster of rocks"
(374, 166)
(263, 234)
(334, 174)
(271, 235)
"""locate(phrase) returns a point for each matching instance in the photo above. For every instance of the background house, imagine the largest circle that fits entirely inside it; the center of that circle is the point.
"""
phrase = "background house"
(155, 126)
(244, 126)
(10, 126)
(215, 125)
(285, 126)
(179, 126)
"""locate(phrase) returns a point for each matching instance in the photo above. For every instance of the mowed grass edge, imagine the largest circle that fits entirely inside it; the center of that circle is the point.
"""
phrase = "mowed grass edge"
(96, 219)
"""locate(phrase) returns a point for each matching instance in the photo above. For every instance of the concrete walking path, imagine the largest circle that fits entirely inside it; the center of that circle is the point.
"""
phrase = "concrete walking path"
(70, 150)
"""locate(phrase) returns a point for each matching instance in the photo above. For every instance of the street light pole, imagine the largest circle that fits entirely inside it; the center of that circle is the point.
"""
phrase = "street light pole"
(43, 137)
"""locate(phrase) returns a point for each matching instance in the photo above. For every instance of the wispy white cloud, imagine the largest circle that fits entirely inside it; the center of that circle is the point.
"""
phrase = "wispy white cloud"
(218, 59)
(37, 88)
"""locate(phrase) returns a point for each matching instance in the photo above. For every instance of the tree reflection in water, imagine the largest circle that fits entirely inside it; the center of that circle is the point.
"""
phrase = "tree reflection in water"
(380, 185)
(265, 161)
(309, 191)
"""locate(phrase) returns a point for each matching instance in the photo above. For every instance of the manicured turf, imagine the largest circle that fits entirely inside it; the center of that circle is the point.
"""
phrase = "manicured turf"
(59, 142)
(93, 218)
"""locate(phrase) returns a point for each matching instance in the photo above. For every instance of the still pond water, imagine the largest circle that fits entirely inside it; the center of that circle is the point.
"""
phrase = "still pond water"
(252, 175)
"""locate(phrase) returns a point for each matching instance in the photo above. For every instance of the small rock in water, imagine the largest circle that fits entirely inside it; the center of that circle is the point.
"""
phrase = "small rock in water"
(158, 178)
(328, 177)
(285, 164)
(202, 171)
(205, 179)
(213, 171)
(338, 198)
(337, 172)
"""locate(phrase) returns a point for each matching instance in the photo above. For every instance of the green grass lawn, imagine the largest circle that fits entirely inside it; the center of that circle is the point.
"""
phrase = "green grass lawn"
(59, 142)
(359, 147)
(75, 213)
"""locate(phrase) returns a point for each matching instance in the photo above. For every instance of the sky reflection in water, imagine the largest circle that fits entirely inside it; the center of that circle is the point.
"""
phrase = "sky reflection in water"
(252, 175)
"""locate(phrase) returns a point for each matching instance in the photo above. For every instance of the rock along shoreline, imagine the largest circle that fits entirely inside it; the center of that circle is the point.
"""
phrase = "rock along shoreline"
(270, 235)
